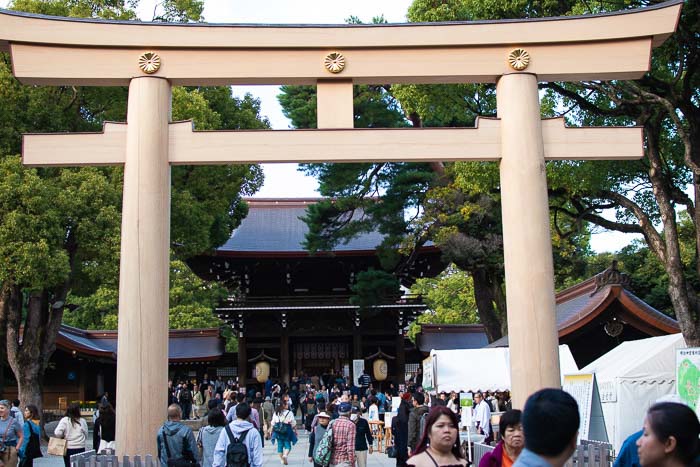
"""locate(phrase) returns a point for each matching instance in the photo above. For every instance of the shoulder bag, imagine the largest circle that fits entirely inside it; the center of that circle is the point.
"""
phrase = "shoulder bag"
(59, 446)
(33, 449)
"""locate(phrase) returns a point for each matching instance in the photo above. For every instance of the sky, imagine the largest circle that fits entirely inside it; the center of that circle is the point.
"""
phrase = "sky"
(284, 180)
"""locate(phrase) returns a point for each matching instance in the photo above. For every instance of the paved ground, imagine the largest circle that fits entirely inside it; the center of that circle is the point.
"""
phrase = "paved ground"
(297, 457)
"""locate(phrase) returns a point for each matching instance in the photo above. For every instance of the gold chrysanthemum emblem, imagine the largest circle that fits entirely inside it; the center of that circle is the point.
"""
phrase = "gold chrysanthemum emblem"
(334, 62)
(149, 62)
(518, 59)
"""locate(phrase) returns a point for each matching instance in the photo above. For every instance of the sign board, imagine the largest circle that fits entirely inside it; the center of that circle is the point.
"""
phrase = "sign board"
(358, 366)
(466, 405)
(393, 411)
(688, 376)
(466, 399)
(584, 389)
(429, 382)
(608, 391)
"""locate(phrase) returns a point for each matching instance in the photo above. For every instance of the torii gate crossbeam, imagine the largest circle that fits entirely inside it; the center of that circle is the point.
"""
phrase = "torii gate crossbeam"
(151, 58)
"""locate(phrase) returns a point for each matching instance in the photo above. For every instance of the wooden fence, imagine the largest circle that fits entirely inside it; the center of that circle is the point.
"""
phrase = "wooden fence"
(92, 459)
(592, 454)
(587, 454)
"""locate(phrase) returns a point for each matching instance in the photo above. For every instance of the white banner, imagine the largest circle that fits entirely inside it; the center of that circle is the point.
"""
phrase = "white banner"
(358, 367)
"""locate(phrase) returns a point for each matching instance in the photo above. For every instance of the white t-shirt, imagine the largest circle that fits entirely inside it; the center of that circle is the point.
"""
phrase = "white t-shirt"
(284, 417)
(482, 415)
(373, 412)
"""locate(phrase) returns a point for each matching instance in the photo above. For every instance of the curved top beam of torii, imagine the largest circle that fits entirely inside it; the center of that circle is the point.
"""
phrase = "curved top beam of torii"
(54, 50)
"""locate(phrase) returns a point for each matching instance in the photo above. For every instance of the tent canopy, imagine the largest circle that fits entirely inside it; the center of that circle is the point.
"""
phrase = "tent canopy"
(632, 377)
(643, 361)
(482, 369)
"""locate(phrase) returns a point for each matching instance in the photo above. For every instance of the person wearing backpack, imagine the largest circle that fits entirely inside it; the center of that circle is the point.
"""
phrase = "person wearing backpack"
(283, 431)
(30, 448)
(239, 443)
(316, 435)
(414, 420)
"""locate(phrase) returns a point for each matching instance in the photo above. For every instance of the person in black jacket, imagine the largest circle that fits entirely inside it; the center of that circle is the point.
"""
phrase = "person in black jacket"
(363, 437)
(399, 430)
(104, 432)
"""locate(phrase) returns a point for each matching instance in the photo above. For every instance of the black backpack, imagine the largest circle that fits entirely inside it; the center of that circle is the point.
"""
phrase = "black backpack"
(236, 452)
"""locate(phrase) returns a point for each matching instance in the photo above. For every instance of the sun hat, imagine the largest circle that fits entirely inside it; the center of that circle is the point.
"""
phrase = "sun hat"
(323, 415)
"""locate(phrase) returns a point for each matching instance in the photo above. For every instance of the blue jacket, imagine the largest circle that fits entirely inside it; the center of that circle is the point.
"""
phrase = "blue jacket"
(35, 428)
(180, 442)
(628, 456)
(252, 442)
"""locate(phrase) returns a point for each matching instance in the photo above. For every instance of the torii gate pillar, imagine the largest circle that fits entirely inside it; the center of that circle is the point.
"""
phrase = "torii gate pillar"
(96, 53)
(142, 357)
(527, 247)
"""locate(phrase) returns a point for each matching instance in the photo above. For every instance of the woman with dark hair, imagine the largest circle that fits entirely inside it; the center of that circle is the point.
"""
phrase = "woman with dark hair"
(399, 430)
(30, 448)
(103, 434)
(209, 435)
(511, 444)
(439, 443)
(74, 429)
(670, 436)
(283, 431)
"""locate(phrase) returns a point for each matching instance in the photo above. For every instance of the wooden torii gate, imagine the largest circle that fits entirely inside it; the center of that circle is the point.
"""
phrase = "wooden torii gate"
(150, 58)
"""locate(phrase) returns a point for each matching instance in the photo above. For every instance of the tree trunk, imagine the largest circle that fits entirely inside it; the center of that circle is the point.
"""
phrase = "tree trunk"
(484, 297)
(30, 347)
(4, 302)
(680, 292)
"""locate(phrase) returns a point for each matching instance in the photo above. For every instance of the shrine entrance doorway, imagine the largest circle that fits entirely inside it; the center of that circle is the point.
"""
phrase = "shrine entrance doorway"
(314, 358)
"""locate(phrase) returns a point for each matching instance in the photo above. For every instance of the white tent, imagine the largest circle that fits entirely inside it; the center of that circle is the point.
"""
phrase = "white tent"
(485, 369)
(631, 377)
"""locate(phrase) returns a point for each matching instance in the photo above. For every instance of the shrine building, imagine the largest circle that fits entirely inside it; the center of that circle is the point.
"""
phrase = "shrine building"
(293, 308)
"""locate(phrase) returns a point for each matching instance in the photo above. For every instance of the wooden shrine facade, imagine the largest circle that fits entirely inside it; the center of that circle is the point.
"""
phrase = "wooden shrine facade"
(296, 307)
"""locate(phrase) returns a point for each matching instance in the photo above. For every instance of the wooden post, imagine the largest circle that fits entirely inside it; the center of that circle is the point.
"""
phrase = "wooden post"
(242, 360)
(356, 343)
(527, 247)
(142, 360)
(284, 356)
(400, 359)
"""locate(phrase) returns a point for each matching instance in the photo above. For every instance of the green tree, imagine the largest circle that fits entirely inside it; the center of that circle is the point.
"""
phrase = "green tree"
(60, 227)
(454, 205)
(449, 297)
(648, 196)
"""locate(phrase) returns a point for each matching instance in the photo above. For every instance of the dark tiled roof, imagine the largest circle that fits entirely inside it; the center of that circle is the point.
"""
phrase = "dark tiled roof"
(276, 226)
(581, 303)
(451, 336)
(183, 345)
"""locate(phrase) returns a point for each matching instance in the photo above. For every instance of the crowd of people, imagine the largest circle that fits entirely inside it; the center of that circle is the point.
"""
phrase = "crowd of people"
(338, 419)
(544, 434)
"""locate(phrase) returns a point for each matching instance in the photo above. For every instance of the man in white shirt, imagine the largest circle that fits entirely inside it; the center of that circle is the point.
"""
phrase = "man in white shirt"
(482, 417)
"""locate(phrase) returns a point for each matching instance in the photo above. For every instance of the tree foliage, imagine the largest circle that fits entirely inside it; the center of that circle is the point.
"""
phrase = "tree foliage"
(60, 227)
(449, 297)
